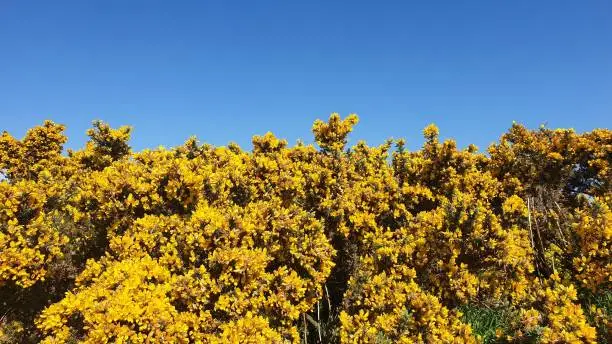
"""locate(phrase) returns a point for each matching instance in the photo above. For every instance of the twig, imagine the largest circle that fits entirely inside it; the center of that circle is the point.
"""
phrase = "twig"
(328, 301)
(305, 330)
(537, 226)
(314, 323)
(531, 234)
(529, 220)
(319, 320)
(558, 226)
(559, 207)
(553, 264)
(5, 315)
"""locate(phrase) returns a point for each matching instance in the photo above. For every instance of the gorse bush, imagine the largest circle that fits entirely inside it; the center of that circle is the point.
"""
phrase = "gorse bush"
(327, 244)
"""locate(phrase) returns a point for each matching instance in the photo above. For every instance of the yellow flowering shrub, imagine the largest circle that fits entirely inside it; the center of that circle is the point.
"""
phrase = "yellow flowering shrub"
(553, 317)
(316, 243)
(593, 227)
(29, 240)
(383, 302)
(129, 302)
(259, 259)
(40, 150)
(105, 146)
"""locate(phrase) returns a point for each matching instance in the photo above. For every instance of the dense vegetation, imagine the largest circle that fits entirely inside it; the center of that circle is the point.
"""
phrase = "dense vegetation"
(306, 244)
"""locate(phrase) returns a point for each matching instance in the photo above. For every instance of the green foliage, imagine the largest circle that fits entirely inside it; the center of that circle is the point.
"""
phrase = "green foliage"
(487, 322)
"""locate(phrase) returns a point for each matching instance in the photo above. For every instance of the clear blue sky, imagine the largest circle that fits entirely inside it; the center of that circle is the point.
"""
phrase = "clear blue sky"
(225, 70)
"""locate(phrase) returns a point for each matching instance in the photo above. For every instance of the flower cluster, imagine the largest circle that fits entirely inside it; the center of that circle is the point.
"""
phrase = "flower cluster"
(359, 244)
(29, 238)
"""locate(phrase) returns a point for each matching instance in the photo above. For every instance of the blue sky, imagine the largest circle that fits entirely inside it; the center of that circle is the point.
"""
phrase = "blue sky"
(226, 70)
